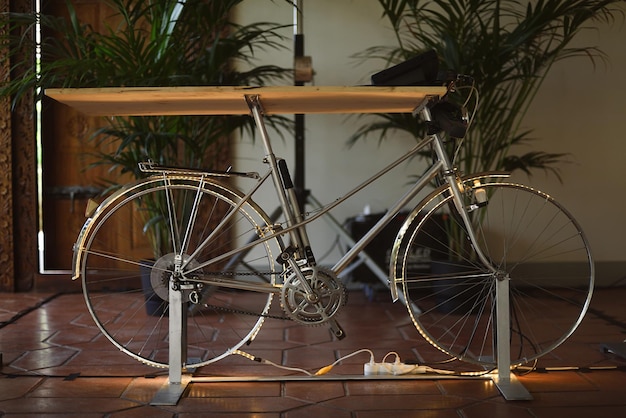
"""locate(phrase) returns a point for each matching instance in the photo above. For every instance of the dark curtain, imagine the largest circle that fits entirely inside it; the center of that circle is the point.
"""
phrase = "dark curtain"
(18, 183)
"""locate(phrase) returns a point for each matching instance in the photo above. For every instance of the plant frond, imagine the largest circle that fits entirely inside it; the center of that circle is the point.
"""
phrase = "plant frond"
(508, 46)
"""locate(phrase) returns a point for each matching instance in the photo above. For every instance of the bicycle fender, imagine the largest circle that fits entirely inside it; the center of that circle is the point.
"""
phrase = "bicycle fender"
(395, 278)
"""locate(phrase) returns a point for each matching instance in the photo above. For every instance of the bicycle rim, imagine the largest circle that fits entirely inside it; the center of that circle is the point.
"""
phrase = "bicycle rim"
(530, 239)
(126, 287)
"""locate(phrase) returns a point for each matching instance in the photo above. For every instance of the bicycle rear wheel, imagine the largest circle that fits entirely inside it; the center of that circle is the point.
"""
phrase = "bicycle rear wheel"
(126, 287)
(529, 238)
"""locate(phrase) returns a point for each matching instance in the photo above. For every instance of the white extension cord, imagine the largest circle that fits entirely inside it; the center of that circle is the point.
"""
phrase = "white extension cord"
(372, 368)
(396, 369)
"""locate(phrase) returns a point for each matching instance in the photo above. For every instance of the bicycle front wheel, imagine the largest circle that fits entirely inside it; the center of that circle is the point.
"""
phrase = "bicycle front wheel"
(529, 238)
(169, 227)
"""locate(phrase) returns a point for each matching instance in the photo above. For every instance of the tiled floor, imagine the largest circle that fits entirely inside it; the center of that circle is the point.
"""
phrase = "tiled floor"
(56, 362)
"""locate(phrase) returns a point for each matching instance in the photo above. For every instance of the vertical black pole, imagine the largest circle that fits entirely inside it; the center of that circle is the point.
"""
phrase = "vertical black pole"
(299, 118)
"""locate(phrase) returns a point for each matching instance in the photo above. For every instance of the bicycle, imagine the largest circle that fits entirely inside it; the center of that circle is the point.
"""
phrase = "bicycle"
(229, 261)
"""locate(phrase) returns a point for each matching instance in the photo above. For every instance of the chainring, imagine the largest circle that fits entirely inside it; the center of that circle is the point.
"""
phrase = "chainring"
(328, 297)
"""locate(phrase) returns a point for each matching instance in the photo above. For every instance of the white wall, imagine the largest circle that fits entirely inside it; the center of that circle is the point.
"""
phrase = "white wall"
(580, 110)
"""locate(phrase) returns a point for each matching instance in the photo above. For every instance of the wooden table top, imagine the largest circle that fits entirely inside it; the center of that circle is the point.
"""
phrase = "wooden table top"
(145, 101)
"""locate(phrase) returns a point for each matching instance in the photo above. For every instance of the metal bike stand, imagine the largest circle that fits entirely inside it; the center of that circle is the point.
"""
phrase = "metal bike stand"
(507, 383)
(230, 101)
(172, 390)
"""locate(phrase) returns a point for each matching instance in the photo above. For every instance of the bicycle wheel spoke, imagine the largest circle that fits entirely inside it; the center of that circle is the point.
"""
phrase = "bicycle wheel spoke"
(128, 295)
(531, 241)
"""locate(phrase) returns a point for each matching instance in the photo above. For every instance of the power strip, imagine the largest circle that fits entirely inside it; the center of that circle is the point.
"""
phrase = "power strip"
(395, 369)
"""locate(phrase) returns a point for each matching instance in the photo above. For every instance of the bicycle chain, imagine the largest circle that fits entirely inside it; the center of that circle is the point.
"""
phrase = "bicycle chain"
(237, 273)
(261, 315)
(241, 311)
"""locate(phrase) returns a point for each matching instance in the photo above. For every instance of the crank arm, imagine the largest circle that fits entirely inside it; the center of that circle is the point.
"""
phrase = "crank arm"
(336, 329)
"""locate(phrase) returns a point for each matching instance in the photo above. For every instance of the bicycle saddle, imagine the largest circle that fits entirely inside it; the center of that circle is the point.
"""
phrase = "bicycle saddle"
(422, 70)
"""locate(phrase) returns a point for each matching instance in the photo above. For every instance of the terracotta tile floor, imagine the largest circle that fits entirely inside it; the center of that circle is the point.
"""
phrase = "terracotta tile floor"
(56, 362)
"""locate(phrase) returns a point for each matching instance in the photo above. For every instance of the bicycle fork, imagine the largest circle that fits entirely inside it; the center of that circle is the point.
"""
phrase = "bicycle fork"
(457, 195)
(502, 331)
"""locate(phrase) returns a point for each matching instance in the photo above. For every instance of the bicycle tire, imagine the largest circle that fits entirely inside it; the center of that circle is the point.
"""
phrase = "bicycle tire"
(532, 241)
(134, 317)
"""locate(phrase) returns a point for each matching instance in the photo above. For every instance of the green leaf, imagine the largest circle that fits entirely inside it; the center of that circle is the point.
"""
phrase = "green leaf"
(509, 47)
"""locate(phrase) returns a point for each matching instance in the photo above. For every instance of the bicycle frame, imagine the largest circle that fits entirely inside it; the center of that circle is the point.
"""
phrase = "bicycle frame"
(525, 232)
(296, 223)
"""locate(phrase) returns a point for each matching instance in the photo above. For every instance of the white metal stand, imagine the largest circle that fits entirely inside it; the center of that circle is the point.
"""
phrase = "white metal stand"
(172, 390)
(507, 383)
(277, 100)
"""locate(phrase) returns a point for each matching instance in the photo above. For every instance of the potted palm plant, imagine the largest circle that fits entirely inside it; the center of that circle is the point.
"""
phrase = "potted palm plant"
(146, 43)
(508, 48)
